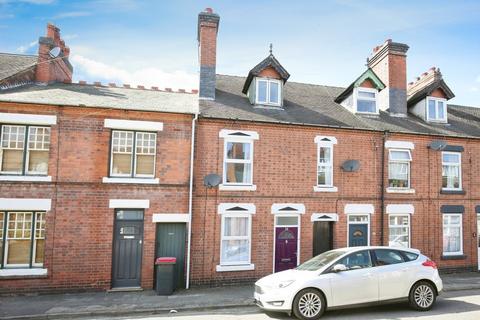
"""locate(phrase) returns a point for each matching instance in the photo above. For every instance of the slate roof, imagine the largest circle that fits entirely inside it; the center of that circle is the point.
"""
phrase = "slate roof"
(11, 64)
(103, 97)
(308, 104)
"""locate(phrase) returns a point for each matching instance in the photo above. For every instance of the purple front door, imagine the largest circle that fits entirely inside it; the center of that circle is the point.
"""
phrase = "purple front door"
(285, 248)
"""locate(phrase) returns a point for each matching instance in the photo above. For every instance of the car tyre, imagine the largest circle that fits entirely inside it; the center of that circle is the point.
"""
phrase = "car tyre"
(422, 296)
(309, 304)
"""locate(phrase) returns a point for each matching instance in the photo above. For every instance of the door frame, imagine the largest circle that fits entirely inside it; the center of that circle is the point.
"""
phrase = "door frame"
(275, 225)
(114, 238)
(349, 223)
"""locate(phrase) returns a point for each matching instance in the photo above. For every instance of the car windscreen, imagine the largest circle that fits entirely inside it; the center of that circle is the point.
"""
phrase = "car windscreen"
(321, 260)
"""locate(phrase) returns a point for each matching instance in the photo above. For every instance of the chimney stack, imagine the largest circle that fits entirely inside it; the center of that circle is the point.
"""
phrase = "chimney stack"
(389, 62)
(53, 66)
(207, 49)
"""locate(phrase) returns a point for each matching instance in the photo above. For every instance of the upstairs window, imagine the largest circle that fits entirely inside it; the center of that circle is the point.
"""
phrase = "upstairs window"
(436, 109)
(451, 171)
(399, 168)
(133, 154)
(366, 100)
(24, 150)
(238, 163)
(268, 92)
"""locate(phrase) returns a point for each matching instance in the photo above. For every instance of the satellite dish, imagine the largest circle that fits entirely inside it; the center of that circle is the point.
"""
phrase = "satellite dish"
(212, 180)
(351, 165)
(437, 145)
(55, 52)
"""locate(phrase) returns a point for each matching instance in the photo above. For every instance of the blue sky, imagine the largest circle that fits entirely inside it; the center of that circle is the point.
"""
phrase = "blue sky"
(322, 42)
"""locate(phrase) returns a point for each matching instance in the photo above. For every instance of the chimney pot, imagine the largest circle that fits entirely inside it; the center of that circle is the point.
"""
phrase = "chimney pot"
(168, 89)
(141, 87)
(113, 85)
(127, 86)
(97, 84)
(209, 10)
(82, 82)
(181, 90)
(194, 91)
(155, 88)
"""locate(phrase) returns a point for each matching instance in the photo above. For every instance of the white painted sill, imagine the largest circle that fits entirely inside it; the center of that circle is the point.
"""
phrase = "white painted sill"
(245, 267)
(395, 190)
(130, 180)
(226, 187)
(325, 189)
(26, 178)
(23, 272)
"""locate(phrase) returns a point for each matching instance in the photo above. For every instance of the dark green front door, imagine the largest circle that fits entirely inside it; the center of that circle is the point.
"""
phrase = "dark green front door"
(170, 242)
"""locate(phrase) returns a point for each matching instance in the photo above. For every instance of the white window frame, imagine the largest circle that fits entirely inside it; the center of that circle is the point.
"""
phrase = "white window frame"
(437, 100)
(348, 225)
(369, 90)
(244, 137)
(268, 101)
(409, 162)
(390, 226)
(457, 253)
(247, 237)
(325, 142)
(459, 165)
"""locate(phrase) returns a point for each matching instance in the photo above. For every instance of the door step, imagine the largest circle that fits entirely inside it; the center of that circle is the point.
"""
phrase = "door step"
(125, 289)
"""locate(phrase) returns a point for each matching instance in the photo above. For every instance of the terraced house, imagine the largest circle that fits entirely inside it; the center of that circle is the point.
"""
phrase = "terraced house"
(89, 174)
(253, 174)
(305, 168)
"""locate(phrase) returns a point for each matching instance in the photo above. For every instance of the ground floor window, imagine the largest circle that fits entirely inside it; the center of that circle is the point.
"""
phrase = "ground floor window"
(22, 239)
(399, 230)
(452, 234)
(235, 239)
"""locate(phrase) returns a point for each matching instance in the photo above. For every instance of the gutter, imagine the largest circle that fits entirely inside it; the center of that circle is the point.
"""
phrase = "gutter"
(190, 200)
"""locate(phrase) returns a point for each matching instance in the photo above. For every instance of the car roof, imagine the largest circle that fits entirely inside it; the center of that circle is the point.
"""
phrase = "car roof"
(353, 249)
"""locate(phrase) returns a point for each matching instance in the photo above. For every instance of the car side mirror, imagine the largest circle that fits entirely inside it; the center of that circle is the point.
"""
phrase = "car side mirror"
(339, 268)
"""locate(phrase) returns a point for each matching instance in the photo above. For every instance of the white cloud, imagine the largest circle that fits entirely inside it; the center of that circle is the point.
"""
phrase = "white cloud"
(71, 14)
(26, 48)
(29, 1)
(98, 71)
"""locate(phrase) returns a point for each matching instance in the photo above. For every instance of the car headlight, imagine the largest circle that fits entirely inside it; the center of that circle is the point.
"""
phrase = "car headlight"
(285, 284)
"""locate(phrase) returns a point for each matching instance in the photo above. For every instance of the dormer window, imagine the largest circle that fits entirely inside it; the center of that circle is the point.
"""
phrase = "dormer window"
(268, 91)
(366, 100)
(436, 109)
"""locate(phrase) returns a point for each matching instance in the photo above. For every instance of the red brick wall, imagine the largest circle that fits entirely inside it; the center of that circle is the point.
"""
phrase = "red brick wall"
(79, 228)
(269, 73)
(284, 171)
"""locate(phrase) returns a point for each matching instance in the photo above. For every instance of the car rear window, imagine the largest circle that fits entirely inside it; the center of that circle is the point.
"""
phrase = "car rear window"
(386, 257)
(409, 256)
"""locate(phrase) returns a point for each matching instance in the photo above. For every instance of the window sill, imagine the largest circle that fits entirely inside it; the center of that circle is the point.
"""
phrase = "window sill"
(454, 257)
(227, 187)
(325, 189)
(245, 267)
(450, 191)
(34, 272)
(131, 180)
(26, 178)
(395, 190)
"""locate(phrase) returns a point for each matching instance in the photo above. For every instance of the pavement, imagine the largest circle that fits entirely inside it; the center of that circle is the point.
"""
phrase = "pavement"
(147, 303)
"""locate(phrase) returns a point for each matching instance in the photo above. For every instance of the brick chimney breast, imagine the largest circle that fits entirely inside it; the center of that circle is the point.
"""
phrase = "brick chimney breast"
(389, 62)
(52, 69)
(208, 22)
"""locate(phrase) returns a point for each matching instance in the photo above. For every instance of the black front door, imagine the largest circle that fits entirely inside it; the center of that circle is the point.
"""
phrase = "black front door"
(170, 242)
(322, 237)
(127, 248)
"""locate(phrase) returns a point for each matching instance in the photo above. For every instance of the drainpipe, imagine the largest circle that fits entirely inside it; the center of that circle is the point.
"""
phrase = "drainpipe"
(190, 200)
(382, 184)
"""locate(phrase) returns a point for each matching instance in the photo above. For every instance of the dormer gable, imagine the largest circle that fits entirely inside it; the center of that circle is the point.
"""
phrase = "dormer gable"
(428, 96)
(264, 84)
(361, 96)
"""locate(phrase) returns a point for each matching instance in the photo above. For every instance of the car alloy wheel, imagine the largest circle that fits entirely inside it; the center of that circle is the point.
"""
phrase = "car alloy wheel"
(309, 304)
(423, 296)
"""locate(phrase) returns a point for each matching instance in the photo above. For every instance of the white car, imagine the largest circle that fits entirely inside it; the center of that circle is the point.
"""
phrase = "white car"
(351, 277)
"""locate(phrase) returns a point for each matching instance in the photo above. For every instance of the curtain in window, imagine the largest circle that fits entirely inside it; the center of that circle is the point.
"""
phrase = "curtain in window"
(235, 240)
(238, 164)
(122, 144)
(398, 174)
(19, 237)
(145, 152)
(38, 149)
(450, 176)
